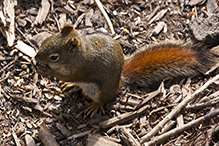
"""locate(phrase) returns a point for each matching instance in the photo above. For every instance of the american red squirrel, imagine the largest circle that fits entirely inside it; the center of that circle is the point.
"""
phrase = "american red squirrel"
(96, 63)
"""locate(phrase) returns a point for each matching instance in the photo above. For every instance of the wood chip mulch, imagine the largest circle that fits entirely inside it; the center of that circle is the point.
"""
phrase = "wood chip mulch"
(35, 110)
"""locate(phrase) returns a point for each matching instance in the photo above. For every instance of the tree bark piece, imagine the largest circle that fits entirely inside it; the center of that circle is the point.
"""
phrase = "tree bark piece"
(26, 49)
(43, 11)
(46, 136)
(122, 118)
(29, 140)
(7, 20)
(96, 140)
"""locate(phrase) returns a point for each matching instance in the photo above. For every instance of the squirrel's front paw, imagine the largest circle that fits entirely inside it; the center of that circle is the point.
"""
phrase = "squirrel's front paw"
(67, 86)
(93, 108)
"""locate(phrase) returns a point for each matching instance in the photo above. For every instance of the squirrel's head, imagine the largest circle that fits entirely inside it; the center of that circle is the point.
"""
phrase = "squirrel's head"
(56, 51)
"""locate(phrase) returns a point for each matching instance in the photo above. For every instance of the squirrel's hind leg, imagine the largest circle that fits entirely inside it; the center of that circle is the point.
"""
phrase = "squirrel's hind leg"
(92, 90)
(93, 108)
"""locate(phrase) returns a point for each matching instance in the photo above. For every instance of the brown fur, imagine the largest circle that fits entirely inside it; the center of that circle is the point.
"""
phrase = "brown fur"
(153, 64)
(95, 63)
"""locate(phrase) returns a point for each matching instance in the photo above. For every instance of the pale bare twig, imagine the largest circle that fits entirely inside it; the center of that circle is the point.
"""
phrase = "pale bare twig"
(99, 5)
(178, 130)
(176, 110)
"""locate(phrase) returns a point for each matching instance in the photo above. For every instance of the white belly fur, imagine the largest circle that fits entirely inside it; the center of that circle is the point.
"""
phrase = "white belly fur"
(90, 89)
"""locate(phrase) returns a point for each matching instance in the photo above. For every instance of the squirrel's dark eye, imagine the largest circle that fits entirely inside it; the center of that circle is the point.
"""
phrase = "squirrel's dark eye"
(54, 57)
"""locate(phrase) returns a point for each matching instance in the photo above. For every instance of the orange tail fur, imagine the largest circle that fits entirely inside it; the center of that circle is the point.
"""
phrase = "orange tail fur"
(151, 66)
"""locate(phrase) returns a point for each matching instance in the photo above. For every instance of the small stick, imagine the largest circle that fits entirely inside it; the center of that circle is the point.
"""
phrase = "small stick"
(167, 127)
(0, 90)
(122, 118)
(7, 76)
(79, 20)
(26, 38)
(24, 99)
(13, 61)
(212, 69)
(203, 104)
(77, 135)
(6, 58)
(153, 13)
(46, 136)
(16, 139)
(57, 22)
(150, 96)
(130, 138)
(99, 5)
(159, 139)
(176, 110)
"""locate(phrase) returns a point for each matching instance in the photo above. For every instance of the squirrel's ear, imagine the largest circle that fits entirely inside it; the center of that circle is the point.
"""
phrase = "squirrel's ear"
(74, 41)
(67, 28)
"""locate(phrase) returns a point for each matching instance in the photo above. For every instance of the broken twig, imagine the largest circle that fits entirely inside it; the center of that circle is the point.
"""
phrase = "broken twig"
(99, 5)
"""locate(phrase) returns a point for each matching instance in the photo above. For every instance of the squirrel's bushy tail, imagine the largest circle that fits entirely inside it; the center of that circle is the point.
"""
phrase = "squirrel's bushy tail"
(157, 62)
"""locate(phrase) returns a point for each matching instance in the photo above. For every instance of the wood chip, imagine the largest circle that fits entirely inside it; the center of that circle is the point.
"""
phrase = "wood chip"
(158, 16)
(212, 7)
(88, 17)
(29, 140)
(46, 136)
(79, 20)
(62, 19)
(153, 13)
(63, 130)
(67, 7)
(90, 2)
(122, 118)
(80, 134)
(63, 10)
(160, 26)
(7, 20)
(130, 137)
(22, 22)
(16, 139)
(24, 99)
(26, 49)
(27, 99)
(43, 11)
(196, 2)
(97, 140)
